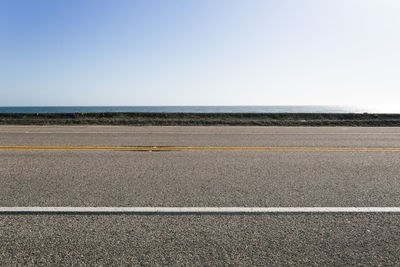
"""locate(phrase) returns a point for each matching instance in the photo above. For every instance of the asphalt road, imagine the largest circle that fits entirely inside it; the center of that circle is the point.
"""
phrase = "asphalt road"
(197, 179)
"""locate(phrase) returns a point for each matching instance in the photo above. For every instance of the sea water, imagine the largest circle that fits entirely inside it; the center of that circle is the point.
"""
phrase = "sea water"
(204, 109)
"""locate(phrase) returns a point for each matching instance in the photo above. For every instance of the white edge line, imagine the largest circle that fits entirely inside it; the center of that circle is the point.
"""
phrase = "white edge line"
(196, 133)
(198, 210)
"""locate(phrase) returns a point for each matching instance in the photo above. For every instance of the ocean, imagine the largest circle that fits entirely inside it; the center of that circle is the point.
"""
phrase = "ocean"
(203, 109)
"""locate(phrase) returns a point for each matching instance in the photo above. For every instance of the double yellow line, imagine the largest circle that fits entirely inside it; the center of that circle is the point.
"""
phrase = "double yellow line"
(177, 148)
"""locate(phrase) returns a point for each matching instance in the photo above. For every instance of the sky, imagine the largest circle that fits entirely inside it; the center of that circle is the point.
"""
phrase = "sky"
(199, 52)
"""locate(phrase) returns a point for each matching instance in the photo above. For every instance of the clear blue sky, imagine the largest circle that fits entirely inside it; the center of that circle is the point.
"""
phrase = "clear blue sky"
(199, 52)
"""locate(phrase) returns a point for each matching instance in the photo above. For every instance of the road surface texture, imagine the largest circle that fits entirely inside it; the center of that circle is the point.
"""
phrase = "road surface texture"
(200, 178)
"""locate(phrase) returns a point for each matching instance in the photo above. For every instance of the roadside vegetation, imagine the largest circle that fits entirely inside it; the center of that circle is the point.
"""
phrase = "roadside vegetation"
(198, 119)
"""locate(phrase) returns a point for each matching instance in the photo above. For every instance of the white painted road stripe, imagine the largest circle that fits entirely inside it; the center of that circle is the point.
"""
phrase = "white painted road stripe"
(196, 133)
(197, 210)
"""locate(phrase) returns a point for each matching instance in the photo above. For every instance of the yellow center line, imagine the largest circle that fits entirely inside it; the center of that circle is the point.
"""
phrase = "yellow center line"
(175, 148)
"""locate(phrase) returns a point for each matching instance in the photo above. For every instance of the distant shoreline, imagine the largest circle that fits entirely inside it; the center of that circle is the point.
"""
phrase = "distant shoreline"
(202, 119)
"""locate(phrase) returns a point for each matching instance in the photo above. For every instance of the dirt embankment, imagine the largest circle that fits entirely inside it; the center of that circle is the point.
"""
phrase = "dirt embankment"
(195, 119)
